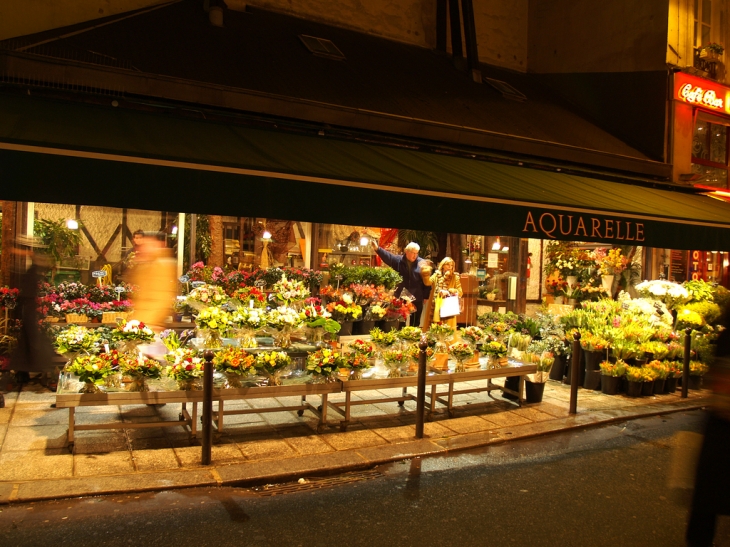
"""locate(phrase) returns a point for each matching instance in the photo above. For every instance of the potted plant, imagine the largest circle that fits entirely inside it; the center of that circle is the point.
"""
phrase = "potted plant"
(662, 371)
(675, 373)
(611, 374)
(535, 383)
(650, 375)
(61, 241)
(697, 370)
(711, 51)
(635, 380)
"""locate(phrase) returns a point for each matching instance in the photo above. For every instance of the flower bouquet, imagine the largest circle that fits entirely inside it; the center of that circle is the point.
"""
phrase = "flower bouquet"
(92, 370)
(472, 335)
(318, 320)
(139, 369)
(272, 364)
(614, 370)
(461, 351)
(289, 291)
(398, 309)
(544, 363)
(442, 333)
(186, 369)
(212, 323)
(409, 335)
(325, 363)
(76, 339)
(357, 363)
(396, 361)
(8, 297)
(250, 297)
(234, 363)
(246, 322)
(131, 334)
(284, 320)
(673, 295)
(345, 309)
(361, 347)
(496, 352)
(375, 312)
(206, 296)
(610, 262)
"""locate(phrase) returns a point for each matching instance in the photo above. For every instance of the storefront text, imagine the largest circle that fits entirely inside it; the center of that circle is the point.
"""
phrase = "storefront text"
(556, 225)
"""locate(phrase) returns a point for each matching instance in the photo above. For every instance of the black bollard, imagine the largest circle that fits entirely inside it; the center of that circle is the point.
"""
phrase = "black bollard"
(207, 408)
(685, 367)
(421, 391)
(574, 374)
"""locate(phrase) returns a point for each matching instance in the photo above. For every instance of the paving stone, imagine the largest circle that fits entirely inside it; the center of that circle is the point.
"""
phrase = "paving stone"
(534, 414)
(35, 438)
(97, 442)
(220, 453)
(3, 431)
(312, 444)
(353, 439)
(387, 453)
(506, 419)
(150, 443)
(111, 463)
(30, 417)
(155, 460)
(397, 434)
(89, 418)
(266, 449)
(470, 424)
(35, 464)
(434, 430)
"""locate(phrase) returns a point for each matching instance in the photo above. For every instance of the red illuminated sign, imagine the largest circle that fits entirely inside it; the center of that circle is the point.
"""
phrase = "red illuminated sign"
(697, 95)
(700, 92)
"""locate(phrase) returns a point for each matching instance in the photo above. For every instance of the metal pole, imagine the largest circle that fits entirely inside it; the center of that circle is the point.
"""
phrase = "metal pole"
(421, 391)
(207, 408)
(193, 237)
(685, 367)
(574, 374)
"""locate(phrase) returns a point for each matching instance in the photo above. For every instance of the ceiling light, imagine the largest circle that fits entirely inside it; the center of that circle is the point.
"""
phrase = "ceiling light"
(72, 224)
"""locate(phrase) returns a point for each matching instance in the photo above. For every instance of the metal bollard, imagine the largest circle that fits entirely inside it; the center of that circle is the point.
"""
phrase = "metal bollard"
(421, 390)
(685, 366)
(207, 416)
(574, 374)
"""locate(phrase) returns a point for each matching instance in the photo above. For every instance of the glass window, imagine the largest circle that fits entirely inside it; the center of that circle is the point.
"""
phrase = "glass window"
(712, 176)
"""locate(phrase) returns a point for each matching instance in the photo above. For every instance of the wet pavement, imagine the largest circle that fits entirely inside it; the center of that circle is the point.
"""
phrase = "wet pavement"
(35, 461)
(603, 486)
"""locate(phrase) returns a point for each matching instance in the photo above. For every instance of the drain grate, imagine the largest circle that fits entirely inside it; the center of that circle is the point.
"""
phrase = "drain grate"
(316, 483)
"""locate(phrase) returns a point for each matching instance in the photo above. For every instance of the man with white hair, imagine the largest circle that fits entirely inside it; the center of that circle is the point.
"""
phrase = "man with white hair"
(410, 266)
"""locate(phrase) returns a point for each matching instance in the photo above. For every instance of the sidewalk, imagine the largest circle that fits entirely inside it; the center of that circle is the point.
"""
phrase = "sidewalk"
(35, 462)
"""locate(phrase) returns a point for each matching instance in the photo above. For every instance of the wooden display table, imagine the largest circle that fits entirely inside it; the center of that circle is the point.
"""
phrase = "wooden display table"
(434, 379)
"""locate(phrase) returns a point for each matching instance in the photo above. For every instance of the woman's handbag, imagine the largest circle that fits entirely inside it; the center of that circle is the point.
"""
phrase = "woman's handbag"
(449, 307)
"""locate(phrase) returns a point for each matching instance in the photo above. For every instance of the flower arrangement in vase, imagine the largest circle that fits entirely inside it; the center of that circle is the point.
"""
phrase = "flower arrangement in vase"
(250, 297)
(213, 322)
(472, 335)
(409, 335)
(289, 291)
(495, 351)
(246, 322)
(92, 370)
(234, 363)
(461, 351)
(76, 339)
(396, 361)
(140, 369)
(186, 368)
(130, 334)
(442, 333)
(361, 347)
(325, 363)
(273, 364)
(206, 296)
(284, 320)
(345, 309)
(357, 362)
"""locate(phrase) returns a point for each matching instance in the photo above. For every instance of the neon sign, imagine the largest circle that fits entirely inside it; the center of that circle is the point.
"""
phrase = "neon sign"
(697, 95)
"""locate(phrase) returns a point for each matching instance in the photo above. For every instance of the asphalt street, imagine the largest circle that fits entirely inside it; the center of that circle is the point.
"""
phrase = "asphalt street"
(597, 487)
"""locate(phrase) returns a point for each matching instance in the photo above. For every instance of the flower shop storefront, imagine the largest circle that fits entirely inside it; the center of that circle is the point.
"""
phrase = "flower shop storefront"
(171, 164)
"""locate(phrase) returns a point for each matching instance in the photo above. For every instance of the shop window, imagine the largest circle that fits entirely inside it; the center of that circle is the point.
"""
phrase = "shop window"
(709, 150)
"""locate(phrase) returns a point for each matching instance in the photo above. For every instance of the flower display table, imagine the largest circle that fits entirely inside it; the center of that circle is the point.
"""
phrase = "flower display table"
(434, 379)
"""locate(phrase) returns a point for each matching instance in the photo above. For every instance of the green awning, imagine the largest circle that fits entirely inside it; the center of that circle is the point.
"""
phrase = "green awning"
(62, 152)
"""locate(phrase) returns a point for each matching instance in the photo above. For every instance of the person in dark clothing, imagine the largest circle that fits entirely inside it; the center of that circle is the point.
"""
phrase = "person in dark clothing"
(34, 352)
(409, 265)
(712, 483)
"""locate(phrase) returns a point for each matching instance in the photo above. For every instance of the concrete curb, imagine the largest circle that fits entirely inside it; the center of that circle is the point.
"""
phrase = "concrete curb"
(271, 471)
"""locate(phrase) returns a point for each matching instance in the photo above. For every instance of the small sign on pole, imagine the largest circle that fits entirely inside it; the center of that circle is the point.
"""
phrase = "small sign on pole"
(98, 273)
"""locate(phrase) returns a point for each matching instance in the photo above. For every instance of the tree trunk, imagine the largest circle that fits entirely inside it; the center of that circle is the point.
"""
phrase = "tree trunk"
(8, 242)
(456, 245)
(217, 252)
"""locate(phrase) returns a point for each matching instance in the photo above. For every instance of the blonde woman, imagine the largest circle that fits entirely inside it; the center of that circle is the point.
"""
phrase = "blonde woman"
(444, 282)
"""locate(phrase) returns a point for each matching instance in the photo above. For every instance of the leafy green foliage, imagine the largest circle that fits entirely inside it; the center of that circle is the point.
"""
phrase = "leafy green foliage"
(367, 275)
(62, 242)
(428, 241)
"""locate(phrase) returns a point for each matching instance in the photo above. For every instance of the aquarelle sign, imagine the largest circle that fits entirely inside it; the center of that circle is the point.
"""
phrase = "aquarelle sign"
(702, 93)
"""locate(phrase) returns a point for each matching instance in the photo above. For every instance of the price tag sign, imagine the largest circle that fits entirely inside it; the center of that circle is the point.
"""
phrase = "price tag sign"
(259, 284)
(183, 279)
(98, 273)
(481, 274)
(196, 284)
(119, 290)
